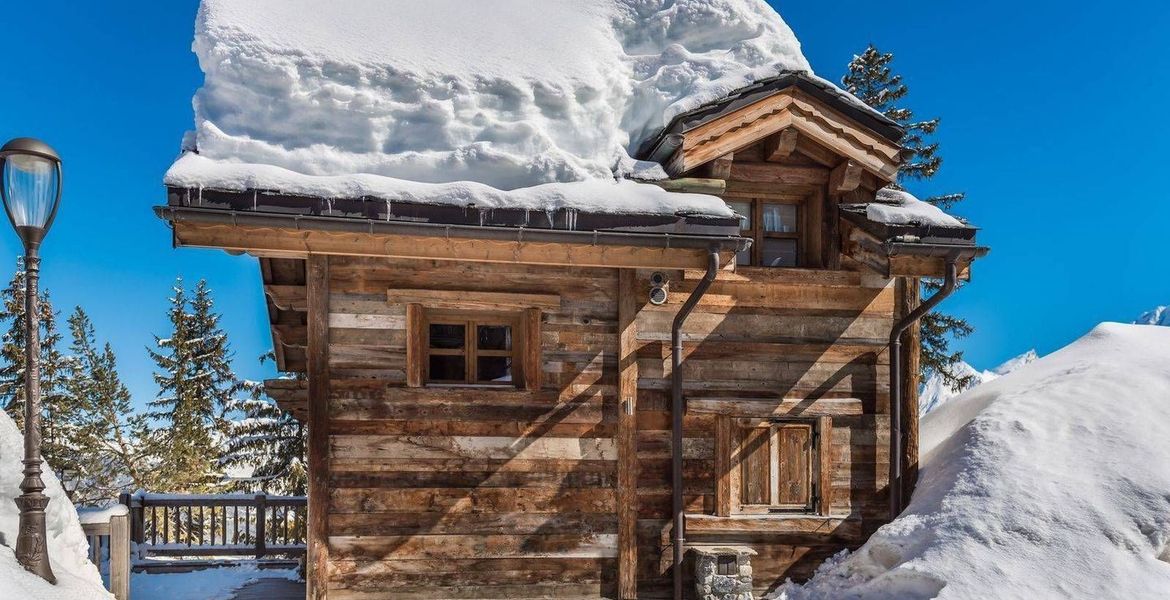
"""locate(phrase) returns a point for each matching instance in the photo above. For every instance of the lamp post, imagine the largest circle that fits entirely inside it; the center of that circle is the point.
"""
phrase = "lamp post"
(70, 480)
(30, 186)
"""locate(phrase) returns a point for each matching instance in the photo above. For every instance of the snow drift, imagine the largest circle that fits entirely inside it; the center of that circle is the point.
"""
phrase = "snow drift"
(936, 391)
(509, 93)
(77, 578)
(1050, 482)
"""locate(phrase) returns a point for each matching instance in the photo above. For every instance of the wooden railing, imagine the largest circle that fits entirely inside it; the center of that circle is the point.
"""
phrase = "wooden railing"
(217, 525)
(108, 532)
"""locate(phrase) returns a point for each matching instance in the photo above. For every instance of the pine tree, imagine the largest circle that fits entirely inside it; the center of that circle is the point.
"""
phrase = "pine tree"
(268, 440)
(872, 80)
(57, 407)
(111, 438)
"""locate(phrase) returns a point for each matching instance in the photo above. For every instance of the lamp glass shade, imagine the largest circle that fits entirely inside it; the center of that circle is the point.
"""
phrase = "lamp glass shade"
(29, 187)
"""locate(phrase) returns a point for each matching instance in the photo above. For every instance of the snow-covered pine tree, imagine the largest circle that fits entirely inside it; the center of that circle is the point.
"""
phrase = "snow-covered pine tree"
(188, 436)
(872, 80)
(111, 438)
(57, 407)
(269, 441)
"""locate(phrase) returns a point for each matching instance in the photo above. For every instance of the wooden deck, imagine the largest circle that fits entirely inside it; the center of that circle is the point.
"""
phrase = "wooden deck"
(271, 589)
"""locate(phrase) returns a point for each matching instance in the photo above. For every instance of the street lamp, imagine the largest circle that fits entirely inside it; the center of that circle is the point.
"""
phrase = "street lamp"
(70, 480)
(30, 186)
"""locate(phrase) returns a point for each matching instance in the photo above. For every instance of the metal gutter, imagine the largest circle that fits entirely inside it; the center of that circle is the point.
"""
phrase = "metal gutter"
(677, 408)
(950, 283)
(517, 234)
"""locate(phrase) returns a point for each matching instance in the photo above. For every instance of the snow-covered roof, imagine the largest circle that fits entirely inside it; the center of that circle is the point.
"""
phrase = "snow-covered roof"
(898, 207)
(508, 94)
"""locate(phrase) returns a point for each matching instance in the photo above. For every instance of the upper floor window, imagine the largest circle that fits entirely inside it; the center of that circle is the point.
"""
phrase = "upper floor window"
(775, 229)
(481, 348)
(775, 466)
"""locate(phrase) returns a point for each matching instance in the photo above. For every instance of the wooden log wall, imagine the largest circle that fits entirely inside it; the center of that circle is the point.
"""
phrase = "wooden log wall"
(458, 492)
(764, 342)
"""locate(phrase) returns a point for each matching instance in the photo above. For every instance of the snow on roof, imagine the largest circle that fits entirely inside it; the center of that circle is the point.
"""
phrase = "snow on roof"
(1048, 482)
(508, 93)
(898, 207)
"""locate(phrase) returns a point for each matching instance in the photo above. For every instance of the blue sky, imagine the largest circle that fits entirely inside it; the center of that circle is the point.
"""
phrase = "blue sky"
(1051, 123)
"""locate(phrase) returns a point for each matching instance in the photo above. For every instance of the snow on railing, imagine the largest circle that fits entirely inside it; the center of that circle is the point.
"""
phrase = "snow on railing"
(108, 532)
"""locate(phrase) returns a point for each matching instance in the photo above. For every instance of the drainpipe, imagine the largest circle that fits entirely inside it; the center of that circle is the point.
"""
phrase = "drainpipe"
(949, 285)
(676, 415)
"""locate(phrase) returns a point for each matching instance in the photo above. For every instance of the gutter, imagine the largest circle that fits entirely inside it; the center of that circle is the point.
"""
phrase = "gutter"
(214, 216)
(952, 255)
(677, 407)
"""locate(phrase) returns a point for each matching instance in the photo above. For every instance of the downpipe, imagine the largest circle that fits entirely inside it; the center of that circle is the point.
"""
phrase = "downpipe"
(950, 283)
(676, 416)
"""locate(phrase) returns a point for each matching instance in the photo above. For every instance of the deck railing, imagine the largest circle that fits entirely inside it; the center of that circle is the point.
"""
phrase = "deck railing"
(232, 525)
(108, 532)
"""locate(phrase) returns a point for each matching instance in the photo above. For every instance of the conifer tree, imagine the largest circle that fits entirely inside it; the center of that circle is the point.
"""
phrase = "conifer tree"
(268, 440)
(58, 408)
(111, 438)
(872, 80)
(185, 440)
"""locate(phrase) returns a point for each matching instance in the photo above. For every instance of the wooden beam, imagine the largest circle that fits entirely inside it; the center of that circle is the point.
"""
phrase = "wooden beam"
(263, 240)
(910, 292)
(287, 297)
(317, 563)
(533, 366)
(779, 174)
(845, 177)
(824, 451)
(780, 146)
(474, 300)
(627, 435)
(721, 167)
(724, 430)
(416, 340)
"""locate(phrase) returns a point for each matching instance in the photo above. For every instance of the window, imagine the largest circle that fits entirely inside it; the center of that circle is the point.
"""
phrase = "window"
(451, 347)
(776, 229)
(775, 466)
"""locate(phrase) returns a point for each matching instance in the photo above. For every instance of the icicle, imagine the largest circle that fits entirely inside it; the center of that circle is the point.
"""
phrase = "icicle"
(389, 210)
(571, 219)
(200, 195)
(526, 217)
(255, 201)
(551, 219)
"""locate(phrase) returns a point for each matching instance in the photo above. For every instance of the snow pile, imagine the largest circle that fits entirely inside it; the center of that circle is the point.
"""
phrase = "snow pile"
(1158, 316)
(1050, 482)
(508, 93)
(936, 390)
(897, 207)
(77, 578)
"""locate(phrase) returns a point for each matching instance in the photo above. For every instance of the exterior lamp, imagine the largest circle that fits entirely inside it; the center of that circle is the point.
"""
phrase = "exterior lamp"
(30, 186)
(70, 480)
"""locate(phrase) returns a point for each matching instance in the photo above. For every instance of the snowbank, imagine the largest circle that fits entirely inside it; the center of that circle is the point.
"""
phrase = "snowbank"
(1050, 482)
(77, 578)
(896, 207)
(508, 93)
(936, 390)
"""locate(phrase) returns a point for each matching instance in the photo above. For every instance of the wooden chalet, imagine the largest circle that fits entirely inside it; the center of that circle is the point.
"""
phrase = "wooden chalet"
(491, 403)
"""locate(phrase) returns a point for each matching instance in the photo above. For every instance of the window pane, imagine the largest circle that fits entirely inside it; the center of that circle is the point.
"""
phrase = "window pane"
(494, 369)
(780, 218)
(494, 337)
(756, 466)
(780, 253)
(744, 209)
(743, 257)
(448, 368)
(447, 336)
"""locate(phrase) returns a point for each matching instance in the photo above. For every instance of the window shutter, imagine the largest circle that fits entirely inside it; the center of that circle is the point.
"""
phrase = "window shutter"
(756, 466)
(794, 467)
(825, 463)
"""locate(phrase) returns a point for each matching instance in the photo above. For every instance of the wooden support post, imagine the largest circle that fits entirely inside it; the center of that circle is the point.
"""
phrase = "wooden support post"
(846, 177)
(721, 167)
(120, 556)
(317, 561)
(778, 147)
(627, 435)
(724, 431)
(911, 361)
(261, 525)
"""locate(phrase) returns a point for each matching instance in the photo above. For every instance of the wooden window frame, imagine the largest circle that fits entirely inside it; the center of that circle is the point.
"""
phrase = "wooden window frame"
(758, 234)
(525, 352)
(729, 455)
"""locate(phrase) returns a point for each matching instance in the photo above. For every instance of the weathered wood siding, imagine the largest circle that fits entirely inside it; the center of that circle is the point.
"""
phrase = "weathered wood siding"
(461, 493)
(788, 342)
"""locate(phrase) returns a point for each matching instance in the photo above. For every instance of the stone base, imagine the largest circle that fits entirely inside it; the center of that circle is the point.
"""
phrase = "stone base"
(723, 572)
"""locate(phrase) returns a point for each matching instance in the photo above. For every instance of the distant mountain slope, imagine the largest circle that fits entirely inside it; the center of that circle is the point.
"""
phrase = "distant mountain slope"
(936, 391)
(1158, 316)
(1050, 482)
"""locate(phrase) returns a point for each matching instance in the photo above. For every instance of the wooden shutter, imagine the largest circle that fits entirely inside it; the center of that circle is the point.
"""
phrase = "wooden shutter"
(773, 466)
(756, 466)
(792, 465)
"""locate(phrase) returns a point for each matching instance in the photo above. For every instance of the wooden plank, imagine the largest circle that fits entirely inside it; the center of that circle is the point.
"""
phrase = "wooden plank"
(120, 556)
(476, 500)
(755, 466)
(354, 524)
(416, 341)
(263, 241)
(288, 297)
(394, 547)
(485, 447)
(317, 562)
(724, 434)
(848, 528)
(627, 438)
(776, 174)
(910, 292)
(474, 299)
(778, 407)
(793, 475)
(532, 367)
(825, 464)
(693, 185)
